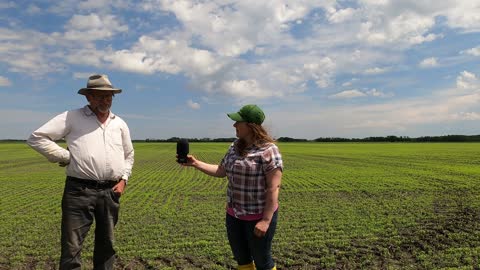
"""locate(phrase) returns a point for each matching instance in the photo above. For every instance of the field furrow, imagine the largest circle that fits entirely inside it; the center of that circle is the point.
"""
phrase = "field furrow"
(342, 206)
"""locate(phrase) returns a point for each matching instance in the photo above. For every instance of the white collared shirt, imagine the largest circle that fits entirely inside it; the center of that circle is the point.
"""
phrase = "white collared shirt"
(95, 151)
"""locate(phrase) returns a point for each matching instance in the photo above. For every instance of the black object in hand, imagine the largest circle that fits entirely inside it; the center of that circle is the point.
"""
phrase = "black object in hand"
(182, 151)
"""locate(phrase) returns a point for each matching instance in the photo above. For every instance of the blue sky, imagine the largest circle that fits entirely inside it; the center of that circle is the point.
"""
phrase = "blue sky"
(317, 68)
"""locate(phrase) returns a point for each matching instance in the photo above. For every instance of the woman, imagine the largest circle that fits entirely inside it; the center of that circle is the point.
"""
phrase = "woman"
(253, 166)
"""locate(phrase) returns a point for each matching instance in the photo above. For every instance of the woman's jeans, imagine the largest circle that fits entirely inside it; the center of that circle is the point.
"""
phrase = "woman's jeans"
(246, 246)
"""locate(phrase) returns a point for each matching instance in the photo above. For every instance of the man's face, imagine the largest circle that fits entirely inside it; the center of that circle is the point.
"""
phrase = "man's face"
(100, 100)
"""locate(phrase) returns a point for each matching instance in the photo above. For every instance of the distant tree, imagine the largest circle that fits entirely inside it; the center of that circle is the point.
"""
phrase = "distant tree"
(288, 139)
(334, 139)
(390, 138)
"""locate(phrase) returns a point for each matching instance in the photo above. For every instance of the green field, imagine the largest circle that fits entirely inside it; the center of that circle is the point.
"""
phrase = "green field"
(342, 206)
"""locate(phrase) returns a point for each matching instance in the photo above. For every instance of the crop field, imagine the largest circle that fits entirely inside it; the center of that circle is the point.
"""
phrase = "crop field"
(342, 206)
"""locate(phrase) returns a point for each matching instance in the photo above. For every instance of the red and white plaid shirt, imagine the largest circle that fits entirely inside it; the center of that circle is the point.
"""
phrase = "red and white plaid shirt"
(247, 177)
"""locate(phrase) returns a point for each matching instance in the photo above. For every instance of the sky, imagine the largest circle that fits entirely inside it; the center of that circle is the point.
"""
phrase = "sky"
(317, 68)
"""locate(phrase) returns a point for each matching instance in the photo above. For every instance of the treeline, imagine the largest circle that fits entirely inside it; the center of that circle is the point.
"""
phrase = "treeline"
(446, 138)
(176, 139)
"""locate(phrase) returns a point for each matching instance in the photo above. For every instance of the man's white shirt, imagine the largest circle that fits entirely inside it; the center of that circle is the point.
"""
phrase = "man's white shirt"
(95, 151)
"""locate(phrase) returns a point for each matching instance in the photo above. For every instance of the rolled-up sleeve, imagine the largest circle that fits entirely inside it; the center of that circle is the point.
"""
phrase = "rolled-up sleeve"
(272, 159)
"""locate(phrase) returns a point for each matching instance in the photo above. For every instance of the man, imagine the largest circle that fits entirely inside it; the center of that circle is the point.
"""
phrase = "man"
(98, 161)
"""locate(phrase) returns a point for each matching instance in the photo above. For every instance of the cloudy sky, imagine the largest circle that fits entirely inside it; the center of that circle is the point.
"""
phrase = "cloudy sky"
(318, 68)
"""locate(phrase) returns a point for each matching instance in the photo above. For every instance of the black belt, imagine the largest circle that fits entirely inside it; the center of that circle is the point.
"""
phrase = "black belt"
(97, 184)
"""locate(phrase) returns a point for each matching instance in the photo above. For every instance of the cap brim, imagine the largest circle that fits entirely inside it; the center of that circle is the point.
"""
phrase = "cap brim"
(84, 91)
(236, 117)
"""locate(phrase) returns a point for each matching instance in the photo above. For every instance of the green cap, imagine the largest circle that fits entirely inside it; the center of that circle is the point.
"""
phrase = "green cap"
(249, 113)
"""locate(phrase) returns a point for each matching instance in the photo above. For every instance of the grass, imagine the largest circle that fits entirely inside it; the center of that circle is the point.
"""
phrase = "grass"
(342, 206)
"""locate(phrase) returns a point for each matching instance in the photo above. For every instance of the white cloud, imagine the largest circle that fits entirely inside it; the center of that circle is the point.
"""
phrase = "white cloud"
(320, 71)
(218, 28)
(136, 62)
(463, 14)
(469, 116)
(250, 44)
(349, 83)
(5, 81)
(354, 93)
(193, 105)
(85, 57)
(405, 29)
(245, 88)
(237, 28)
(375, 2)
(407, 113)
(347, 94)
(473, 51)
(377, 93)
(253, 50)
(375, 70)
(403, 116)
(339, 16)
(428, 62)
(23, 51)
(467, 80)
(82, 75)
(290, 10)
(214, 73)
(173, 56)
(91, 27)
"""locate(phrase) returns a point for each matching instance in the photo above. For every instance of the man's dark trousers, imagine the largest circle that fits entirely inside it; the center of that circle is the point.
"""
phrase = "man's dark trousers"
(82, 202)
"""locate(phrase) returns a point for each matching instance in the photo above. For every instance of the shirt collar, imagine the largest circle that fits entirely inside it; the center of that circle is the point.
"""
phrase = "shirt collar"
(88, 112)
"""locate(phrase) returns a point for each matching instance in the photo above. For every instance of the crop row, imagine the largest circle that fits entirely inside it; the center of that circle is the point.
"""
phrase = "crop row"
(350, 206)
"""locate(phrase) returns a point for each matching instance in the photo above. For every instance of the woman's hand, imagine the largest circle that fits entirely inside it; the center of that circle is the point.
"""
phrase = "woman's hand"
(191, 161)
(210, 169)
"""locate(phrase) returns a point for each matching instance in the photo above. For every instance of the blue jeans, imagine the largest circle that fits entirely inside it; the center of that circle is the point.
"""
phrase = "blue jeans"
(81, 204)
(246, 246)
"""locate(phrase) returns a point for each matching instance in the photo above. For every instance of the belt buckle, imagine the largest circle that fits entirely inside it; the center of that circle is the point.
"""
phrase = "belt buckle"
(104, 183)
(108, 183)
(98, 184)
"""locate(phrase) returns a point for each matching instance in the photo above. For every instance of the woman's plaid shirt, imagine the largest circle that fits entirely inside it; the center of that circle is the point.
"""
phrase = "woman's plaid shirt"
(247, 177)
